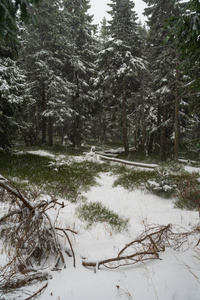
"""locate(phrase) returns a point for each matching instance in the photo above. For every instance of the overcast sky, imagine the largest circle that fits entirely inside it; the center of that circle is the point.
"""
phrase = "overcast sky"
(99, 8)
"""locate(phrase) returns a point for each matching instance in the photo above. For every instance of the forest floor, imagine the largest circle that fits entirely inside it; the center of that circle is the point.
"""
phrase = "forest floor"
(176, 275)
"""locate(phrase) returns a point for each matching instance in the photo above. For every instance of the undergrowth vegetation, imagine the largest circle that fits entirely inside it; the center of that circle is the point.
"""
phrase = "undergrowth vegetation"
(64, 179)
(132, 178)
(167, 181)
(62, 176)
(94, 212)
(189, 193)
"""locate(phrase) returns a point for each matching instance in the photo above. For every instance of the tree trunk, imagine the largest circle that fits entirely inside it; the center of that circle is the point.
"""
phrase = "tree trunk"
(124, 125)
(163, 134)
(43, 125)
(176, 116)
(143, 122)
(78, 130)
(50, 131)
(43, 130)
(158, 133)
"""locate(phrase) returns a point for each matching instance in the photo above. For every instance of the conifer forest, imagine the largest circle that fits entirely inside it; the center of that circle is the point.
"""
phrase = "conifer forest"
(65, 80)
(99, 150)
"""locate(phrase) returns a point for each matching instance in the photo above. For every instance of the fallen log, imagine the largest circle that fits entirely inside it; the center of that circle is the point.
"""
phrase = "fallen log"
(130, 163)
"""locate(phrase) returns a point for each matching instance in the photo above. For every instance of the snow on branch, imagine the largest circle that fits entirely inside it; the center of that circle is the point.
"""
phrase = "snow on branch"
(130, 163)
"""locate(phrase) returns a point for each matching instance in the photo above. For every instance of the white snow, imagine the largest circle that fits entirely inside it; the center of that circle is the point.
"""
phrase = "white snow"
(137, 164)
(176, 276)
(41, 153)
(192, 169)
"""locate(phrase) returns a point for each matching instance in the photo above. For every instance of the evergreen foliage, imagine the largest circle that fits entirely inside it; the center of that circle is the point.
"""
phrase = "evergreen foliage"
(184, 31)
(13, 93)
(119, 64)
(59, 68)
(81, 71)
(128, 84)
(10, 11)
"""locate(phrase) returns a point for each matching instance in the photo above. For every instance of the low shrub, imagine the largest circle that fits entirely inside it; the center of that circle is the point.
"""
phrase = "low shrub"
(65, 180)
(132, 178)
(163, 185)
(95, 212)
(188, 196)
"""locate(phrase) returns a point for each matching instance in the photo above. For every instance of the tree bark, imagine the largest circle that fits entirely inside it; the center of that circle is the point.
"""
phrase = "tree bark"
(158, 134)
(163, 133)
(124, 126)
(143, 122)
(43, 125)
(50, 131)
(176, 116)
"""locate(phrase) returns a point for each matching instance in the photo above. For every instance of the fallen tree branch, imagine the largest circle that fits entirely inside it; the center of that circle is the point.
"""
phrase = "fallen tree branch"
(146, 247)
(136, 257)
(130, 163)
(32, 236)
(64, 231)
(5, 184)
(38, 292)
(10, 214)
(157, 235)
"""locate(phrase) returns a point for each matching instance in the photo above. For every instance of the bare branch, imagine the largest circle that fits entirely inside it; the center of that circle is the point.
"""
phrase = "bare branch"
(14, 191)
(146, 247)
(10, 214)
(69, 244)
(33, 238)
(38, 292)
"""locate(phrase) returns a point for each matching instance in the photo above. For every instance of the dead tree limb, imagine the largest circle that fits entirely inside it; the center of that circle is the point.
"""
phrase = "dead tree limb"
(146, 247)
(5, 184)
(64, 231)
(38, 292)
(129, 163)
(155, 239)
(32, 235)
(134, 258)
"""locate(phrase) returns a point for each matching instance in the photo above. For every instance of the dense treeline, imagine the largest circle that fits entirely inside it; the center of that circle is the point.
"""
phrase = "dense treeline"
(62, 80)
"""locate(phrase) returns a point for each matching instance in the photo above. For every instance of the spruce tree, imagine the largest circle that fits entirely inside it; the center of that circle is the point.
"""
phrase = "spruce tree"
(13, 96)
(166, 80)
(184, 31)
(45, 56)
(81, 69)
(119, 65)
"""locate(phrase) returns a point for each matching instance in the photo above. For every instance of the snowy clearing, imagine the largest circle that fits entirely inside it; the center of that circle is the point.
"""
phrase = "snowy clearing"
(175, 276)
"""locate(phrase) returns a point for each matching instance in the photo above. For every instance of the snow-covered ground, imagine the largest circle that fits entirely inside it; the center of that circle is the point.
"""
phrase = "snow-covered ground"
(176, 276)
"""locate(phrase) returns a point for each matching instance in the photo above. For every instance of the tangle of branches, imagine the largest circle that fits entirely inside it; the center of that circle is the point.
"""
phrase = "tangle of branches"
(147, 246)
(31, 239)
